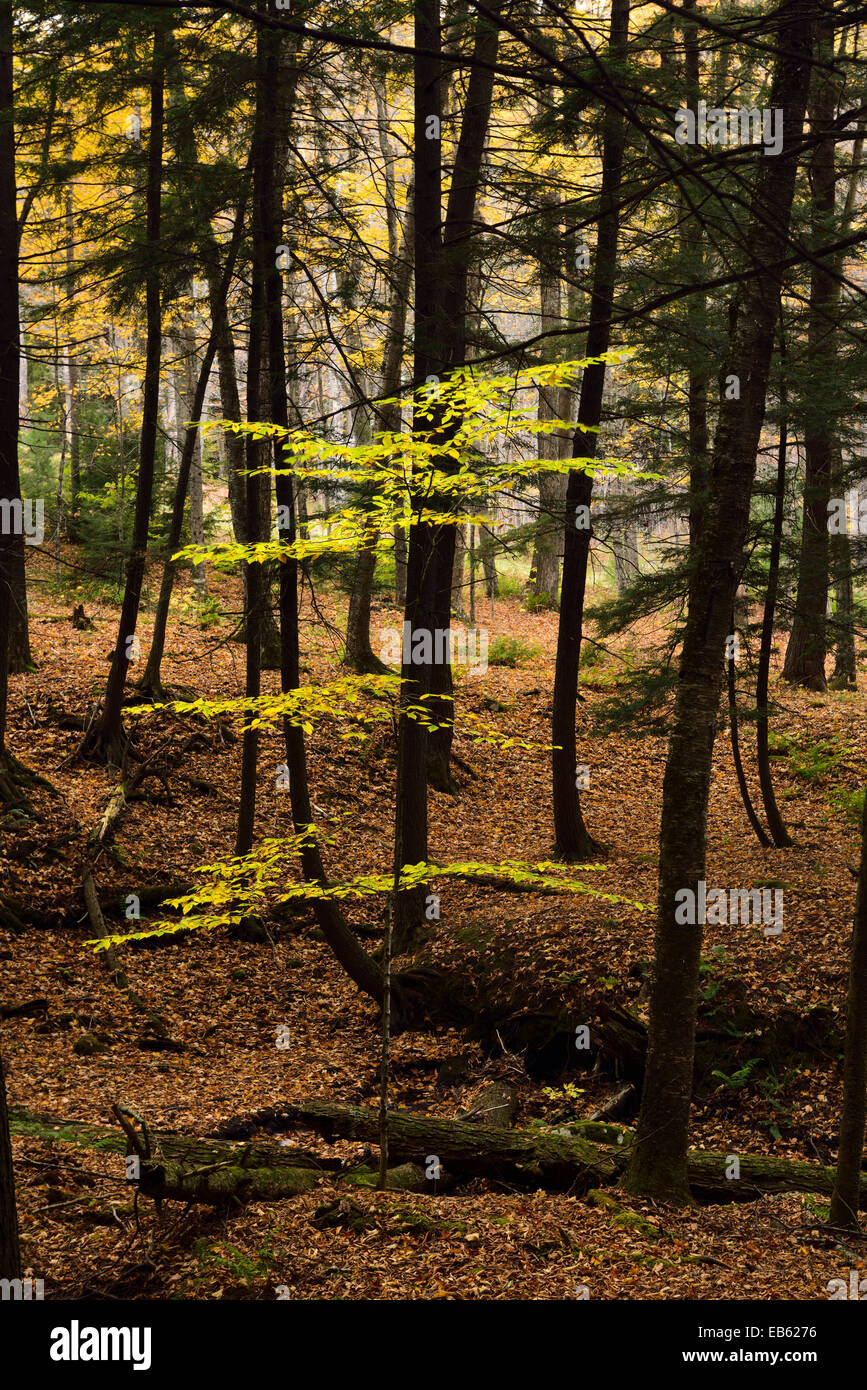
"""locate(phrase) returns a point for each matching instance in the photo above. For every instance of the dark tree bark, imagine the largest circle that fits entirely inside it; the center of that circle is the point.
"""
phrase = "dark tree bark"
(20, 655)
(847, 1185)
(845, 671)
(10, 485)
(572, 837)
(692, 240)
(15, 653)
(428, 360)
(255, 586)
(659, 1161)
(359, 653)
(107, 741)
(805, 654)
(736, 747)
(151, 681)
(230, 405)
(278, 78)
(72, 383)
(10, 1259)
(489, 564)
(552, 486)
(779, 834)
(458, 253)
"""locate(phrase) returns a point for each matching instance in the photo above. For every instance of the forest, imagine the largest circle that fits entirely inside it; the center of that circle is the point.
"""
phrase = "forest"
(433, 651)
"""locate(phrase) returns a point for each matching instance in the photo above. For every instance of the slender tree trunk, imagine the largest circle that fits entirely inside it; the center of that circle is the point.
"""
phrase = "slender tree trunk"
(10, 1260)
(458, 254)
(359, 653)
(552, 486)
(230, 405)
(255, 585)
(151, 681)
(72, 412)
(658, 1165)
(845, 673)
(193, 410)
(428, 348)
(779, 833)
(844, 1201)
(692, 243)
(15, 637)
(107, 741)
(10, 484)
(489, 564)
(459, 592)
(400, 549)
(572, 837)
(736, 747)
(805, 654)
(275, 89)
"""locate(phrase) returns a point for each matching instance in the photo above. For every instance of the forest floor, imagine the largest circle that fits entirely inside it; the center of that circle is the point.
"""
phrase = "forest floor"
(223, 1000)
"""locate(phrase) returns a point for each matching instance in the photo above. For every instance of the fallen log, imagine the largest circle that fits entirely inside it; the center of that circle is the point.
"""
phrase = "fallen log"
(178, 1148)
(556, 1159)
(528, 1159)
(466, 1149)
(189, 1169)
(223, 1184)
(97, 921)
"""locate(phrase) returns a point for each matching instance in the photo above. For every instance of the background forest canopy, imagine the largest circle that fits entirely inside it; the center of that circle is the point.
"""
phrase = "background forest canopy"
(376, 348)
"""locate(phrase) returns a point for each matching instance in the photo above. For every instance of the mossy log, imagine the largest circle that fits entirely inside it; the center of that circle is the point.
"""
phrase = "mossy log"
(559, 1160)
(178, 1148)
(467, 1149)
(223, 1184)
(212, 1172)
(592, 1154)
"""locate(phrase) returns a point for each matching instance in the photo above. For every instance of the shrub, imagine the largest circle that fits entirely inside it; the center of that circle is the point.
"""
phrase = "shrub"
(510, 651)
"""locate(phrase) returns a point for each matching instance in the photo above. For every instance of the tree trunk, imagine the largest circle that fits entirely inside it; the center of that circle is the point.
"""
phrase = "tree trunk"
(10, 1258)
(255, 587)
(489, 564)
(459, 590)
(152, 679)
(736, 746)
(458, 249)
(10, 484)
(805, 654)
(779, 834)
(572, 836)
(275, 92)
(72, 412)
(552, 486)
(107, 741)
(15, 654)
(400, 549)
(359, 654)
(845, 671)
(659, 1161)
(692, 247)
(428, 360)
(193, 409)
(230, 405)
